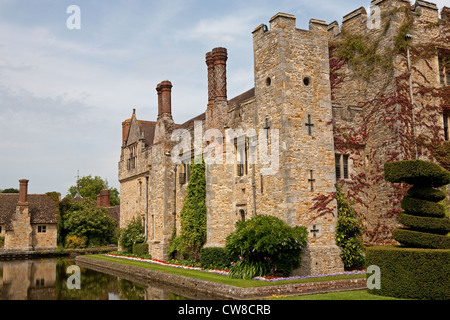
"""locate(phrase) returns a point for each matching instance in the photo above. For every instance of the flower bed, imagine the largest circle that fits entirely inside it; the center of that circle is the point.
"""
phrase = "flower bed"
(225, 272)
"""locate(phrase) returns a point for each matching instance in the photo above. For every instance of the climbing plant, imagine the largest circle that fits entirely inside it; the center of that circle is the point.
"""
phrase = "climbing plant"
(376, 64)
(348, 233)
(193, 217)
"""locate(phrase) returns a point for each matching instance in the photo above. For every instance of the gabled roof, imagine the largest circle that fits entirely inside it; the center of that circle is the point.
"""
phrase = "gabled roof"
(41, 207)
(141, 130)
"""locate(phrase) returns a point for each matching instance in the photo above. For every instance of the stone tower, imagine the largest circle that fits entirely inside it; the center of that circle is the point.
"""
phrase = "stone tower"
(293, 96)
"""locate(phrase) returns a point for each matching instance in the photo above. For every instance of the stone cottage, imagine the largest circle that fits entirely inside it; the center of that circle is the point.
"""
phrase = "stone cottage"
(28, 222)
(330, 105)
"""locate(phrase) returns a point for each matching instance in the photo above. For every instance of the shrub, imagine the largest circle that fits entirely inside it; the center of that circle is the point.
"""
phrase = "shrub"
(434, 225)
(265, 245)
(425, 207)
(427, 193)
(2, 242)
(140, 249)
(416, 172)
(411, 273)
(214, 258)
(417, 239)
(132, 234)
(76, 242)
(85, 219)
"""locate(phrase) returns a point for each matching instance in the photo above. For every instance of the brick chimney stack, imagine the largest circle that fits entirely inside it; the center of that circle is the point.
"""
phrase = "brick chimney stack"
(23, 192)
(103, 199)
(211, 78)
(220, 57)
(164, 90)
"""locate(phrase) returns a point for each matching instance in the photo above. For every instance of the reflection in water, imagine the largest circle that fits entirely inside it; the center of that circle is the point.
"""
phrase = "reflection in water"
(46, 279)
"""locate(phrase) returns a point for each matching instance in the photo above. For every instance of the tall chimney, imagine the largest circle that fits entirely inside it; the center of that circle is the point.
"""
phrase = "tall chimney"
(23, 192)
(103, 199)
(164, 90)
(220, 57)
(211, 78)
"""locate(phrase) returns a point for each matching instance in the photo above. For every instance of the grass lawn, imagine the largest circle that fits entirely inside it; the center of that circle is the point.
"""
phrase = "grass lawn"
(217, 277)
(345, 295)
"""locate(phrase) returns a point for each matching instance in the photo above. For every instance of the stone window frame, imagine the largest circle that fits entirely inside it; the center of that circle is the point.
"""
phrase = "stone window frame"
(444, 68)
(241, 150)
(42, 228)
(132, 159)
(184, 173)
(342, 166)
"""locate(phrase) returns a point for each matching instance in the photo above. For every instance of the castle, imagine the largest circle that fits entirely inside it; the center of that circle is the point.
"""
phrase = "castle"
(330, 105)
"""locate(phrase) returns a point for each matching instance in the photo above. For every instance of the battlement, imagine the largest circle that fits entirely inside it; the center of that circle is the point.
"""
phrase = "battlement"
(284, 21)
(361, 21)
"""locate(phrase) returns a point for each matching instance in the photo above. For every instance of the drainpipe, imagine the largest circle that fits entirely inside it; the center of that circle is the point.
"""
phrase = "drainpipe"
(146, 209)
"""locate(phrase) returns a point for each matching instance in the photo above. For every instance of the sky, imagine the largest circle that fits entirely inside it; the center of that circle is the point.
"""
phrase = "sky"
(65, 92)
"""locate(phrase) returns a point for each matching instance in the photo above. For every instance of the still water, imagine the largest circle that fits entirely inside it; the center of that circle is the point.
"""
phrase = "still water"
(46, 279)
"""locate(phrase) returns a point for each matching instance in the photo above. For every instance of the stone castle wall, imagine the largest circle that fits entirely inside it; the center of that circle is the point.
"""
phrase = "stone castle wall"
(319, 107)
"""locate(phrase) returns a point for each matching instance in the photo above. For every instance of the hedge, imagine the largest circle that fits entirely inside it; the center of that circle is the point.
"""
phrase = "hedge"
(140, 248)
(434, 225)
(214, 258)
(423, 208)
(411, 273)
(417, 239)
(416, 172)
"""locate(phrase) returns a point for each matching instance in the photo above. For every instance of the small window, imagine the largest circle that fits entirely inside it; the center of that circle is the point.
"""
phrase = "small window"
(446, 131)
(342, 166)
(268, 82)
(307, 81)
(242, 213)
(1, 229)
(42, 229)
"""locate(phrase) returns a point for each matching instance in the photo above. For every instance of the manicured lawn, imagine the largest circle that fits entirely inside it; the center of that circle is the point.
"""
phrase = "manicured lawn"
(345, 295)
(217, 277)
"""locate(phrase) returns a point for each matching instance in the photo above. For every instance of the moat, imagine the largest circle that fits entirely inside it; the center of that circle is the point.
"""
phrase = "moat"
(46, 279)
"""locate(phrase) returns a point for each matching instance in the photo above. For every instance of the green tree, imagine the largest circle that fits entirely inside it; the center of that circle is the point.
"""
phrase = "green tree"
(10, 190)
(90, 187)
(85, 219)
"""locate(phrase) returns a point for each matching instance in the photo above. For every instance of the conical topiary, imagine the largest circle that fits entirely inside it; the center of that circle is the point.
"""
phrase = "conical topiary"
(424, 206)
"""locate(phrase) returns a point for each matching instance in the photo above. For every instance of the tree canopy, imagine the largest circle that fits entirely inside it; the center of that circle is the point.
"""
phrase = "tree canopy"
(90, 187)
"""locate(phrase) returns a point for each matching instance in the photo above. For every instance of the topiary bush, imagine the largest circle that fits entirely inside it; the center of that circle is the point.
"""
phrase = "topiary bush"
(425, 213)
(265, 245)
(420, 267)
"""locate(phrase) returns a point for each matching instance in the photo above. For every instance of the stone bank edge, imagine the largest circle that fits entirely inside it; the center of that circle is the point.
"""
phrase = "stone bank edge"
(218, 290)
